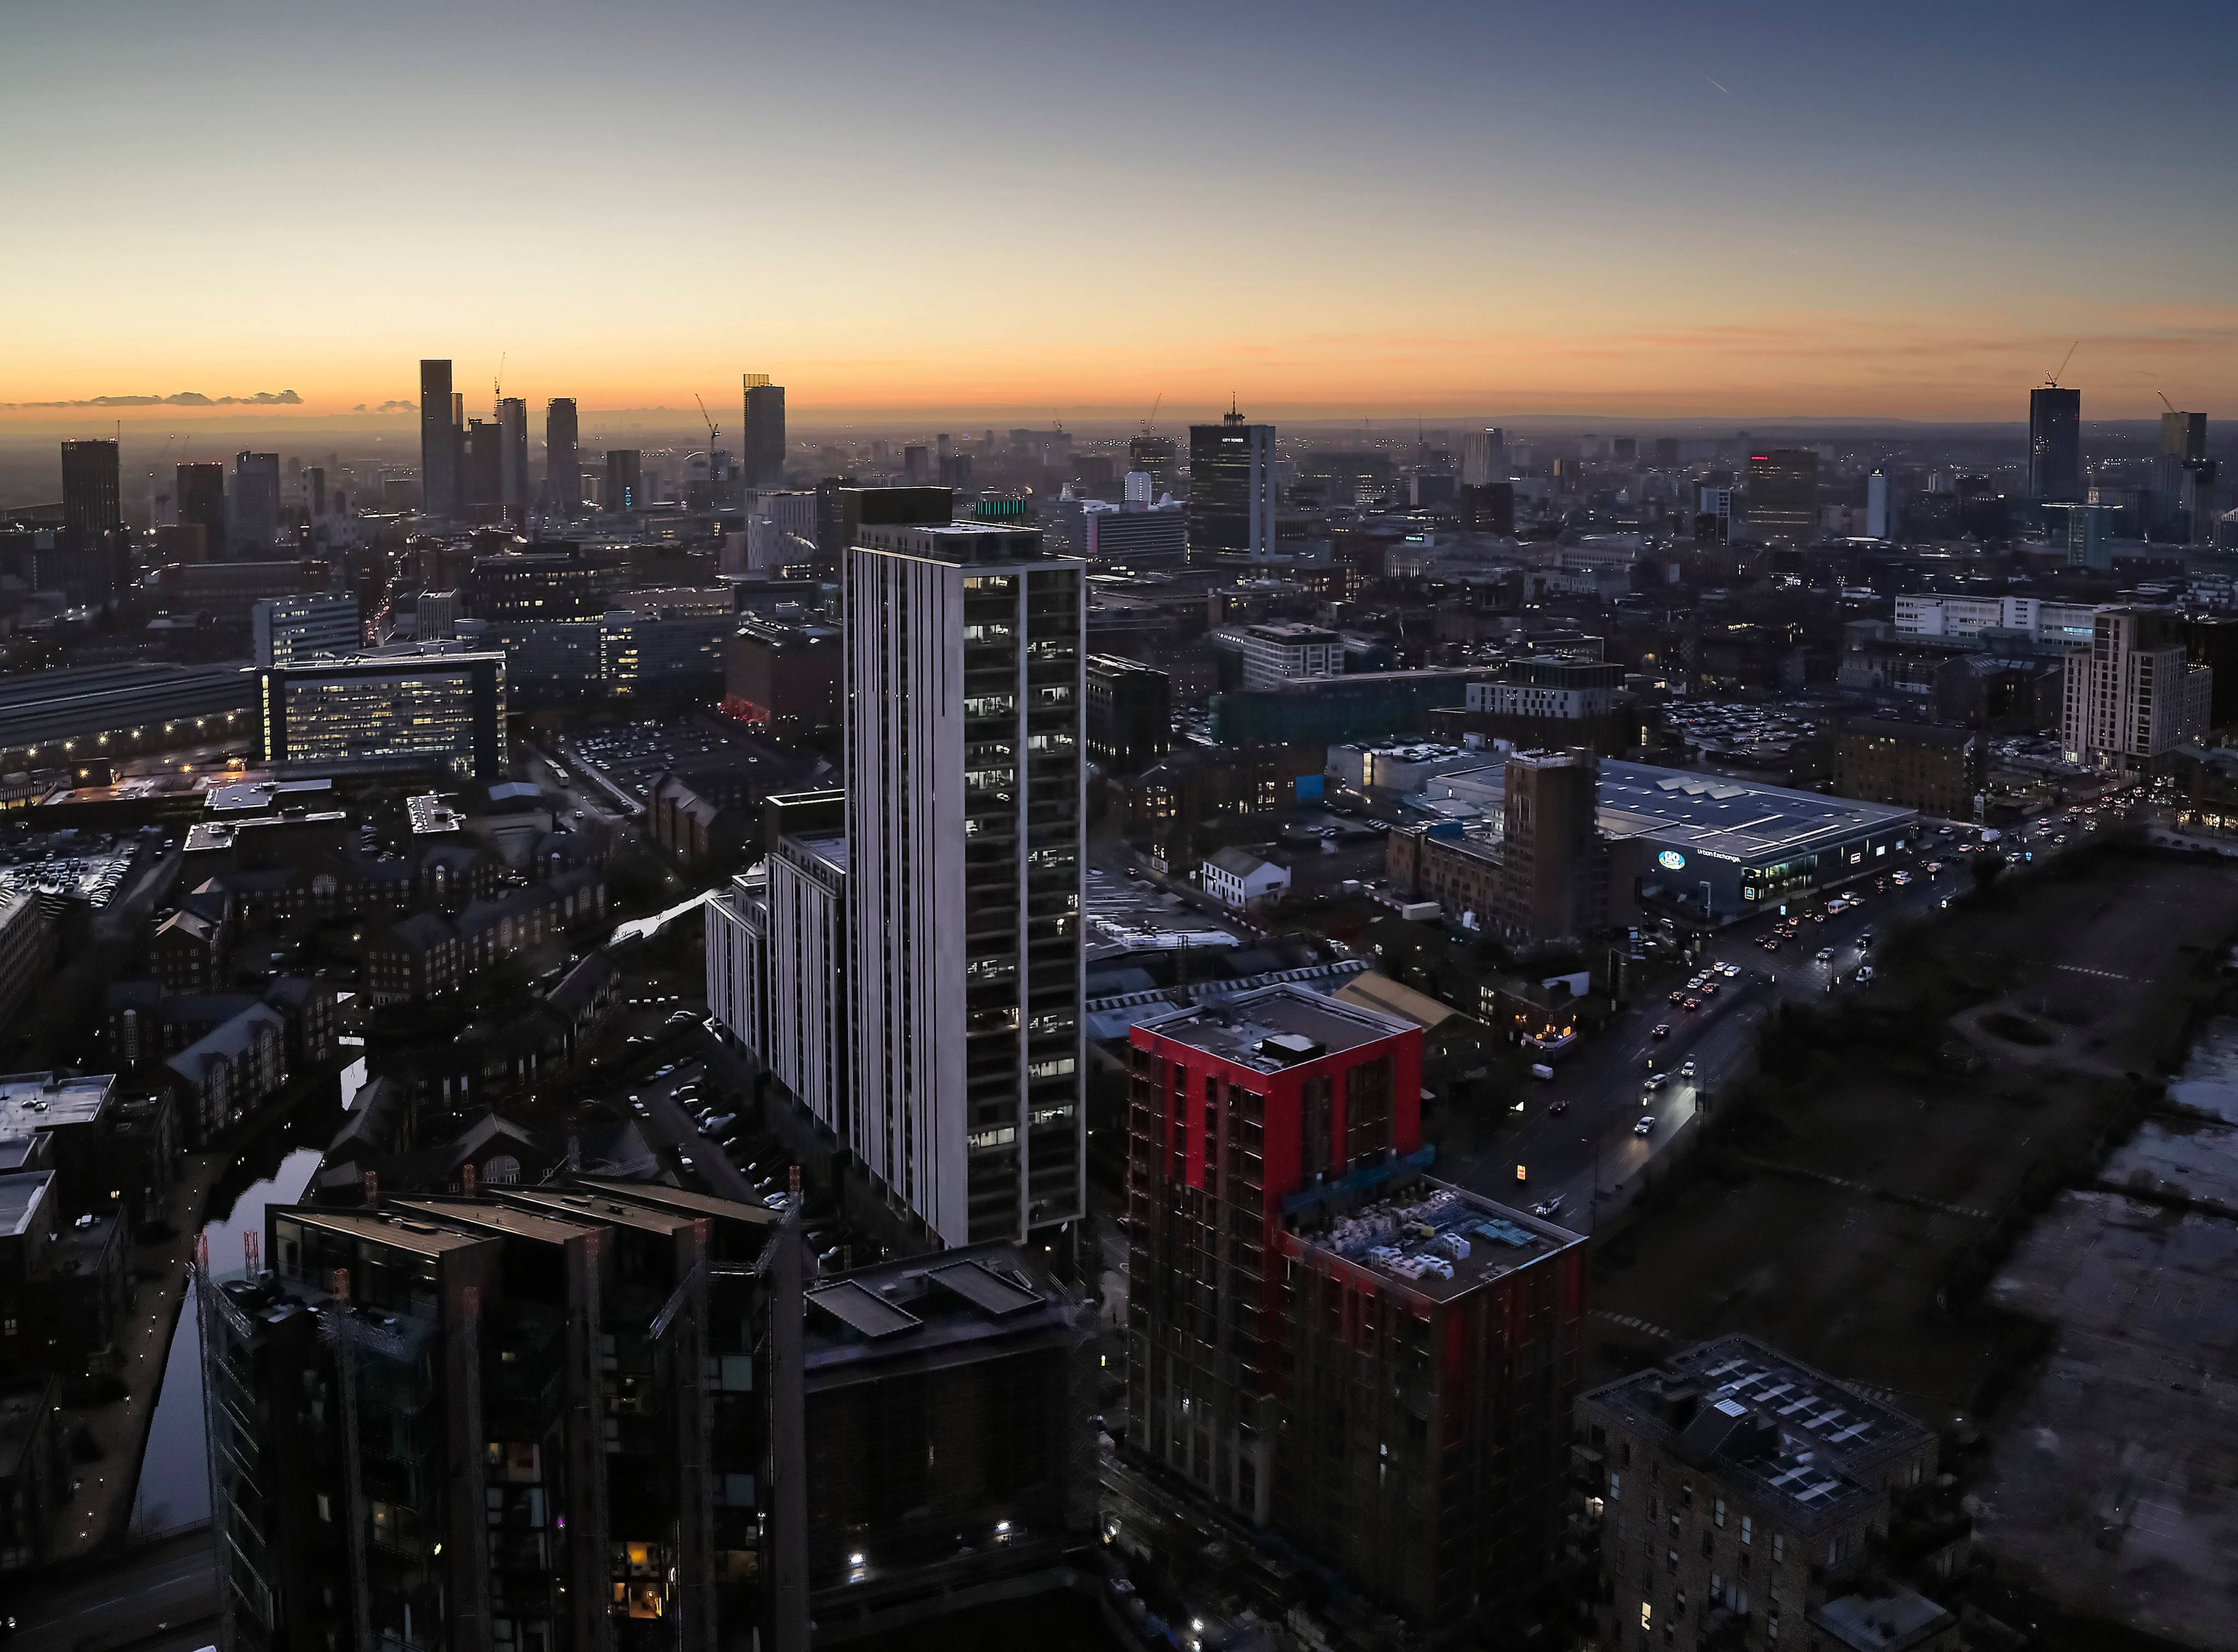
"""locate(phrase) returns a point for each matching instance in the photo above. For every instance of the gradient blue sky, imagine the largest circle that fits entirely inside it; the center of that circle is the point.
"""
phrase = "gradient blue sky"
(1720, 209)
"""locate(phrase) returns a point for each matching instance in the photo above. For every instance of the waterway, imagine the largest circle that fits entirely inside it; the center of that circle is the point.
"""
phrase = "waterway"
(274, 1169)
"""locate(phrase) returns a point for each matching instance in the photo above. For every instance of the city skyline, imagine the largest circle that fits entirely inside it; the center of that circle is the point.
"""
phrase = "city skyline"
(1725, 214)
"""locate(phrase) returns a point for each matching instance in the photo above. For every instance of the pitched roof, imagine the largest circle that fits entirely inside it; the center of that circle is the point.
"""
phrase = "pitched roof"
(1375, 991)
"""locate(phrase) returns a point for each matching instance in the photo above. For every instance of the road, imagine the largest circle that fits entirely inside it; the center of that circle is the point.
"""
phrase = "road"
(170, 1583)
(590, 799)
(1586, 1156)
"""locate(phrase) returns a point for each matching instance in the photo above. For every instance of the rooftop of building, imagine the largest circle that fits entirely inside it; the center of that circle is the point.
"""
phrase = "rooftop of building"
(1711, 815)
(1795, 1437)
(1432, 1241)
(964, 543)
(1290, 631)
(242, 796)
(1277, 1026)
(438, 657)
(1372, 990)
(224, 834)
(383, 1226)
(831, 847)
(953, 1304)
(1886, 1618)
(20, 1196)
(33, 1101)
(1924, 734)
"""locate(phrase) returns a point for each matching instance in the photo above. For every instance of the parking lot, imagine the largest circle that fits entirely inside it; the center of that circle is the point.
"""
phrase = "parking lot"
(626, 759)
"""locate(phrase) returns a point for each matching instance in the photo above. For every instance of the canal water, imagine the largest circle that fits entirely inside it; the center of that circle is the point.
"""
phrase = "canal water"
(173, 1489)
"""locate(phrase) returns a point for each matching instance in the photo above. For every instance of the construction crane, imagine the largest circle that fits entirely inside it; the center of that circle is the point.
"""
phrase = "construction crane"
(713, 429)
(2051, 380)
(497, 381)
(2165, 402)
(1150, 424)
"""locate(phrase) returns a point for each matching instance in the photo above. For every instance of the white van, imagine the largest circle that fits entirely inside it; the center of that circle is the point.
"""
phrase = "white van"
(1540, 1070)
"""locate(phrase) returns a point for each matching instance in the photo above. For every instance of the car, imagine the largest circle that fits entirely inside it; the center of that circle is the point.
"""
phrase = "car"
(638, 1108)
(1709, 990)
(1825, 955)
(1817, 917)
(1546, 1207)
(722, 1121)
(1661, 1030)
(1730, 972)
(1679, 997)
(1691, 1005)
(1864, 939)
(1771, 946)
(1655, 1080)
(1559, 1107)
(1945, 832)
(1687, 1071)
(1645, 1126)
(1864, 974)
(683, 1161)
(1933, 867)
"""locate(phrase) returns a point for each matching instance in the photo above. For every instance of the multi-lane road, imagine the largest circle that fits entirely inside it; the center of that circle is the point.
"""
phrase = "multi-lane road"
(152, 1596)
(1576, 1136)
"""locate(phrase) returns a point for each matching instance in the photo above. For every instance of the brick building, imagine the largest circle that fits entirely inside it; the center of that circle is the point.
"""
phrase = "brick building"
(1746, 1502)
(1928, 766)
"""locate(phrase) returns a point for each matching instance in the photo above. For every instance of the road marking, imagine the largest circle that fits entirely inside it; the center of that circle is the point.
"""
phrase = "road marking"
(2104, 975)
(1634, 1324)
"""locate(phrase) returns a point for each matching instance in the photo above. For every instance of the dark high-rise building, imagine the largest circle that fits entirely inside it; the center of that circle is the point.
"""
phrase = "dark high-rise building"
(481, 469)
(1485, 508)
(964, 843)
(1318, 1335)
(2183, 436)
(764, 432)
(90, 502)
(563, 463)
(1231, 502)
(1783, 495)
(559, 1416)
(439, 453)
(1157, 458)
(917, 463)
(202, 504)
(1131, 710)
(2054, 444)
(1666, 452)
(513, 460)
(252, 511)
(625, 480)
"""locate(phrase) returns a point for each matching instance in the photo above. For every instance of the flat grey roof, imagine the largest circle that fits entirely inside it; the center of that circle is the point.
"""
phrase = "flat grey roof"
(1735, 819)
(1237, 1029)
(30, 1102)
(19, 1196)
(1434, 1240)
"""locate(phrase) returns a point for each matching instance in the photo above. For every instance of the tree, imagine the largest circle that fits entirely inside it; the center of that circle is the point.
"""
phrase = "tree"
(1987, 865)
